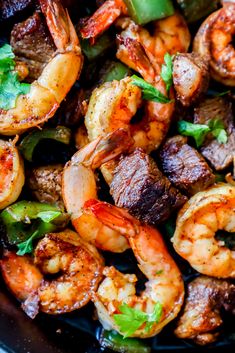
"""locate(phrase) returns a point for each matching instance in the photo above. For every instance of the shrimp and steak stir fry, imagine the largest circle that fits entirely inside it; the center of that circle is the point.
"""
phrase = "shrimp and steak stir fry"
(149, 140)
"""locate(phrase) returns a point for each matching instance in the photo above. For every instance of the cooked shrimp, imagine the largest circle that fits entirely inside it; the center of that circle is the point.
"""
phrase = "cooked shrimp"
(78, 267)
(165, 285)
(214, 41)
(195, 235)
(81, 267)
(47, 92)
(20, 274)
(137, 50)
(145, 54)
(170, 35)
(103, 18)
(79, 186)
(11, 173)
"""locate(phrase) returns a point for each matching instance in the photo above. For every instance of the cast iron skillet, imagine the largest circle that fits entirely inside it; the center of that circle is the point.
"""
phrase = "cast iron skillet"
(77, 332)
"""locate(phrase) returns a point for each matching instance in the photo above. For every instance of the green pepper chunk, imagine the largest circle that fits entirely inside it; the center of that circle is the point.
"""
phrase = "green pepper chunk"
(194, 10)
(145, 11)
(29, 142)
(102, 44)
(114, 341)
(114, 71)
(28, 220)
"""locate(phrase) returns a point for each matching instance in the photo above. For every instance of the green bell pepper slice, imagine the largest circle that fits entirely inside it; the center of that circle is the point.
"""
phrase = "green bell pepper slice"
(114, 71)
(60, 133)
(113, 340)
(145, 11)
(28, 220)
(102, 44)
(194, 10)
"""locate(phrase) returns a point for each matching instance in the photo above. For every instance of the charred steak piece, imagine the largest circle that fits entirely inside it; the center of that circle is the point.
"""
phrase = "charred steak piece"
(190, 77)
(11, 8)
(202, 312)
(220, 155)
(32, 44)
(184, 166)
(45, 183)
(139, 186)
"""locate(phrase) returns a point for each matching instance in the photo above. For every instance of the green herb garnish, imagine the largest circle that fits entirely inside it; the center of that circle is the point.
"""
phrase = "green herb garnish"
(10, 86)
(26, 247)
(29, 220)
(150, 92)
(130, 319)
(199, 131)
(167, 71)
(217, 129)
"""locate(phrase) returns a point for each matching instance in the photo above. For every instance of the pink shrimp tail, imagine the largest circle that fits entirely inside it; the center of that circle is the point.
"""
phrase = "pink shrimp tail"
(112, 217)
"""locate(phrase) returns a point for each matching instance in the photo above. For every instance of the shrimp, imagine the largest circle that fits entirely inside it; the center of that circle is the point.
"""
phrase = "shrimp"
(103, 18)
(11, 173)
(79, 186)
(136, 50)
(195, 236)
(164, 286)
(20, 274)
(169, 35)
(78, 267)
(47, 92)
(214, 41)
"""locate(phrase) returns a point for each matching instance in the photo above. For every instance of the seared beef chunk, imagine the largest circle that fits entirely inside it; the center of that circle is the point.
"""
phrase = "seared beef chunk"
(190, 77)
(185, 167)
(201, 315)
(72, 109)
(45, 183)
(10, 8)
(220, 155)
(139, 186)
(32, 44)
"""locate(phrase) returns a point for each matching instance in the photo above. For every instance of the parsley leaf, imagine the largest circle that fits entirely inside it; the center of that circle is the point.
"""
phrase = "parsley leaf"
(197, 131)
(10, 87)
(130, 319)
(26, 247)
(154, 317)
(166, 71)
(217, 129)
(150, 92)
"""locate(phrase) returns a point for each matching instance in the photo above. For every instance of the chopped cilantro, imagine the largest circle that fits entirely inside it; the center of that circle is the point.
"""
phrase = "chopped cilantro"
(10, 86)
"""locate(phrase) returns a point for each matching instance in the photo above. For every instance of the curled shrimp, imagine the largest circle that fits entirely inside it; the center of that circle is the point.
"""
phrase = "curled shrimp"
(169, 35)
(11, 173)
(102, 19)
(78, 267)
(47, 92)
(138, 52)
(79, 186)
(195, 236)
(214, 41)
(164, 286)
